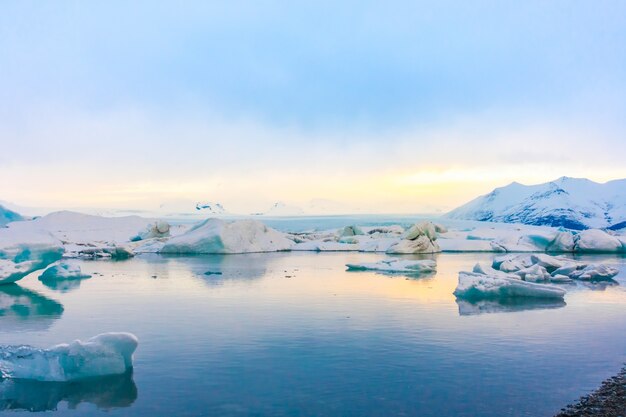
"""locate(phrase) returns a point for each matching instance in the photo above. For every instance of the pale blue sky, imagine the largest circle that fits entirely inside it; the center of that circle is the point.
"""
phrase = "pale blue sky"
(411, 104)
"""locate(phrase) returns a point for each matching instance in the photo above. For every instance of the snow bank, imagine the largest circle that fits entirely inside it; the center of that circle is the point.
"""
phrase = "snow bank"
(218, 236)
(477, 286)
(396, 266)
(105, 354)
(421, 238)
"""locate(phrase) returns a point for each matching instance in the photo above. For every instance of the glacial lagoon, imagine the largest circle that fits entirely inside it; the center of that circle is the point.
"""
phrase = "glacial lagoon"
(295, 334)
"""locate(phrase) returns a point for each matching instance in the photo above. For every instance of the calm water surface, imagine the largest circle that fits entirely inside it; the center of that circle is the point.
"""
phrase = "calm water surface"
(294, 334)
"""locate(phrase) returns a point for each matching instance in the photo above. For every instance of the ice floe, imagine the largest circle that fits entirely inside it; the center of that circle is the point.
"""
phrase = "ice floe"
(396, 266)
(105, 354)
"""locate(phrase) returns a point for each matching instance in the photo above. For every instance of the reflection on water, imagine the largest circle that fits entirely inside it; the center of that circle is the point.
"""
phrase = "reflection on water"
(25, 310)
(215, 269)
(62, 285)
(105, 393)
(506, 305)
(600, 285)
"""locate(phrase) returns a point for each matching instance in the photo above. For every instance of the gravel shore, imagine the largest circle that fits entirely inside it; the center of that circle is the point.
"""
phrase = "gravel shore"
(608, 401)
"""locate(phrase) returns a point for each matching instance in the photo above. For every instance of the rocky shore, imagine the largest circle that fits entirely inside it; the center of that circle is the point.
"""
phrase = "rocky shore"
(607, 401)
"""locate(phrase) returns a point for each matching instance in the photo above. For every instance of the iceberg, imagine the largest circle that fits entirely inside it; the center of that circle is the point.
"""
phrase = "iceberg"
(22, 255)
(63, 277)
(157, 229)
(219, 237)
(595, 240)
(473, 286)
(105, 354)
(63, 271)
(420, 238)
(401, 266)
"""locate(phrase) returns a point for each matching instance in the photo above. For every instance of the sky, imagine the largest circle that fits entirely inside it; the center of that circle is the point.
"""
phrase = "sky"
(376, 107)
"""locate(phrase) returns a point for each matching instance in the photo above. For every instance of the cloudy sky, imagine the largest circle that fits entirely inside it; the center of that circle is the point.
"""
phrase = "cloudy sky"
(395, 106)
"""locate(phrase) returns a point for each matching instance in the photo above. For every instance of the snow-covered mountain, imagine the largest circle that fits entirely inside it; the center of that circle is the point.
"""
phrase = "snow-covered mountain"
(8, 216)
(573, 203)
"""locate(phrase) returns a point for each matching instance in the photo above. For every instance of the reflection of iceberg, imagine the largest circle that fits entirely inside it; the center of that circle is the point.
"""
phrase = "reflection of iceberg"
(22, 309)
(104, 392)
(216, 269)
(507, 305)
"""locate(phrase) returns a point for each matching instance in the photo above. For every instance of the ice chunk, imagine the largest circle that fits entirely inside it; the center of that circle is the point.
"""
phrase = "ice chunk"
(157, 229)
(105, 354)
(218, 236)
(396, 266)
(595, 240)
(563, 242)
(550, 263)
(594, 272)
(63, 271)
(478, 286)
(63, 277)
(422, 229)
(420, 238)
(350, 231)
(534, 273)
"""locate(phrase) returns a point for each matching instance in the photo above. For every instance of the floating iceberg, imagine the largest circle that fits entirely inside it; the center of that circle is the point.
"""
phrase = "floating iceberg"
(479, 286)
(105, 354)
(217, 236)
(421, 238)
(401, 266)
(63, 271)
(63, 277)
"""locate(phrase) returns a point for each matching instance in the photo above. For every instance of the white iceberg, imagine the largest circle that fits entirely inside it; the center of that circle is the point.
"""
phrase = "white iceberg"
(595, 240)
(402, 266)
(478, 286)
(217, 236)
(105, 354)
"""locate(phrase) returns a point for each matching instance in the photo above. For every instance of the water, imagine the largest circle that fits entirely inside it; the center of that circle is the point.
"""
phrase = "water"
(294, 334)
